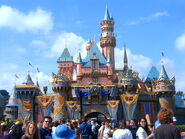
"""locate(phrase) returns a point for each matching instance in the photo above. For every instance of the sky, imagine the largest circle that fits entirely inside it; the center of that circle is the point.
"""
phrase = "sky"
(37, 31)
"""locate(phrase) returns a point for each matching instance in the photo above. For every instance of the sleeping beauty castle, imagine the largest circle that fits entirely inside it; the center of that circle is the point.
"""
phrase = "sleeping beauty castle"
(99, 90)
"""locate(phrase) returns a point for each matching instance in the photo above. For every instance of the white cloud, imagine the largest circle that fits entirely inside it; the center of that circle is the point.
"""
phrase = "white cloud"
(73, 42)
(20, 50)
(138, 62)
(180, 43)
(38, 43)
(149, 18)
(34, 21)
(168, 63)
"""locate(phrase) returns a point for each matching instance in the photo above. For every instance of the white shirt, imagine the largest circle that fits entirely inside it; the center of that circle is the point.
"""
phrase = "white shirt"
(122, 134)
(105, 132)
(141, 133)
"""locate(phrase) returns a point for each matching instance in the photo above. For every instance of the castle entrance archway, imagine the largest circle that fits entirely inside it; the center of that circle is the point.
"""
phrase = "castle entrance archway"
(96, 115)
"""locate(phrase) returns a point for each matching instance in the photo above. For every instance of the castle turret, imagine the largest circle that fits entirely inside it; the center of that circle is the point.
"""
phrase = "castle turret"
(107, 40)
(110, 67)
(164, 88)
(60, 87)
(66, 64)
(125, 59)
(88, 45)
(27, 93)
(11, 110)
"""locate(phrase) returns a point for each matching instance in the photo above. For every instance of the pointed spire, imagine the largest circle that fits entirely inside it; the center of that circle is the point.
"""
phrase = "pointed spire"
(65, 56)
(163, 75)
(28, 79)
(14, 95)
(79, 59)
(109, 60)
(125, 59)
(107, 15)
(153, 74)
(37, 84)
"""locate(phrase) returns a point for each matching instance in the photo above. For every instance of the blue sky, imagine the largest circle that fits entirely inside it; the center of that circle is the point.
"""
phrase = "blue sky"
(35, 32)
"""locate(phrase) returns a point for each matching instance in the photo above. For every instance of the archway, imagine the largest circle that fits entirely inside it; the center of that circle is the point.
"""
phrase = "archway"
(97, 116)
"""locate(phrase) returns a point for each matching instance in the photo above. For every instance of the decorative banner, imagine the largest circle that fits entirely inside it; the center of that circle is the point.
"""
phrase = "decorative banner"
(59, 107)
(129, 102)
(112, 106)
(45, 101)
(148, 109)
(27, 105)
(71, 104)
(58, 110)
(166, 102)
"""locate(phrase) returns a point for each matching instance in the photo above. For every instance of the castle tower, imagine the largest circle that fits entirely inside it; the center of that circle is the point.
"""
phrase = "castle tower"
(164, 88)
(110, 67)
(107, 40)
(66, 64)
(88, 46)
(125, 60)
(27, 93)
(60, 86)
(11, 110)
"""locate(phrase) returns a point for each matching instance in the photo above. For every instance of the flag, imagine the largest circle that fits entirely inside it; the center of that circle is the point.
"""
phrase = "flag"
(162, 54)
(30, 64)
(16, 76)
(38, 69)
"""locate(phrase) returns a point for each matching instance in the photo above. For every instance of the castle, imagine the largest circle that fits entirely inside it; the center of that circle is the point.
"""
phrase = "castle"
(100, 90)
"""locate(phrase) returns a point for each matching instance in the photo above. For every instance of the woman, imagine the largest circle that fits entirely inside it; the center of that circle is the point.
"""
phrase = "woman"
(104, 131)
(143, 131)
(31, 132)
(121, 132)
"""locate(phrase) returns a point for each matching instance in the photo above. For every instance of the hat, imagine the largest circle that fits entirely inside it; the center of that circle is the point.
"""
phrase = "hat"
(63, 132)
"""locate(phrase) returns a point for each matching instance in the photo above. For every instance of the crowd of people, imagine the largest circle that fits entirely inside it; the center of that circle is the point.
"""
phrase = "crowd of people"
(89, 129)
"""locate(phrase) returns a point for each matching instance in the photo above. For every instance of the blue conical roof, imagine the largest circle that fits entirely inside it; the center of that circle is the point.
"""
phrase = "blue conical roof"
(79, 59)
(14, 95)
(163, 75)
(107, 15)
(153, 74)
(94, 49)
(28, 79)
(65, 56)
(37, 83)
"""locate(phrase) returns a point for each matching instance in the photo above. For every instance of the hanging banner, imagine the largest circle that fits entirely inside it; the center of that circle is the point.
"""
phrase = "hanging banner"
(72, 106)
(129, 102)
(45, 101)
(27, 105)
(112, 106)
(59, 106)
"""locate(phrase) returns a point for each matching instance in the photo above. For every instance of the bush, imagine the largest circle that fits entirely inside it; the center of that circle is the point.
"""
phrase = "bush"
(181, 127)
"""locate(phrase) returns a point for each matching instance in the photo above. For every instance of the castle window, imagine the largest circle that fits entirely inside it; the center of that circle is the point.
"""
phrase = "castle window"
(94, 65)
(95, 80)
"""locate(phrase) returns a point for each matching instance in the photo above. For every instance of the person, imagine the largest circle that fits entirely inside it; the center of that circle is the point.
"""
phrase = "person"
(143, 131)
(31, 131)
(16, 131)
(55, 124)
(63, 132)
(133, 128)
(77, 130)
(94, 128)
(122, 132)
(104, 131)
(85, 129)
(3, 131)
(165, 130)
(45, 132)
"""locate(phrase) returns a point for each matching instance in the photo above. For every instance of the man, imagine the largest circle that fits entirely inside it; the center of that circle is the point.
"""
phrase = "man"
(85, 129)
(133, 128)
(165, 130)
(45, 132)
